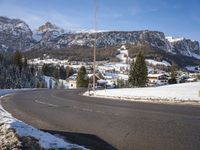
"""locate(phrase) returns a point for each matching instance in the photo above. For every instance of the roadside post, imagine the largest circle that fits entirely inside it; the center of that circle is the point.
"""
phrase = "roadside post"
(199, 93)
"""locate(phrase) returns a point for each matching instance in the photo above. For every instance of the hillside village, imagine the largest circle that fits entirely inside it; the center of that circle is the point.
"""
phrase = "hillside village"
(115, 74)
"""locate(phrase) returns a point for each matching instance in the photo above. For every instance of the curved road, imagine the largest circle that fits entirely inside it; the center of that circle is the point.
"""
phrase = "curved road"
(108, 124)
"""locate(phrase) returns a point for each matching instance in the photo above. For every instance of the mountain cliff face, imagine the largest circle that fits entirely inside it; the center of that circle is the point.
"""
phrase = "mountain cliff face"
(16, 35)
(46, 33)
(154, 38)
(187, 47)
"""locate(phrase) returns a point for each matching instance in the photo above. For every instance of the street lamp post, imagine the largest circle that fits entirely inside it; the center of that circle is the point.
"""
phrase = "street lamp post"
(95, 43)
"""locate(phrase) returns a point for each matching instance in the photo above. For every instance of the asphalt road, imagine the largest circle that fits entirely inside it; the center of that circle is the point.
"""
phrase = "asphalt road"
(103, 124)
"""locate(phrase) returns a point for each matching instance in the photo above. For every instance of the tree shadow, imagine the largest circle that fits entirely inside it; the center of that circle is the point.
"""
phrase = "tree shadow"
(87, 140)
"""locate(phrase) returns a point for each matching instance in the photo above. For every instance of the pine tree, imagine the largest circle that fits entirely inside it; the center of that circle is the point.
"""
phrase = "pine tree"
(17, 60)
(131, 74)
(48, 69)
(56, 74)
(69, 71)
(45, 69)
(62, 72)
(25, 63)
(173, 75)
(32, 70)
(138, 72)
(50, 84)
(16, 73)
(1, 58)
(37, 84)
(82, 78)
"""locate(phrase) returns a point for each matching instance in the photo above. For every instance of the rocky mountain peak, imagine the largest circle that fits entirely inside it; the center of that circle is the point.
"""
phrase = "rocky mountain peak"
(4, 20)
(187, 47)
(8, 24)
(15, 34)
(47, 32)
(48, 26)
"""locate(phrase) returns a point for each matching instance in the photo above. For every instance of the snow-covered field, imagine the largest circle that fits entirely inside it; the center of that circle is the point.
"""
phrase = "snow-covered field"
(46, 140)
(154, 62)
(48, 60)
(177, 93)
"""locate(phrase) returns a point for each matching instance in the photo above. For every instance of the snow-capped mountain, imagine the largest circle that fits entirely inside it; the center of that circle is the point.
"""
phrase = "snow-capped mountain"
(112, 38)
(47, 32)
(15, 34)
(186, 47)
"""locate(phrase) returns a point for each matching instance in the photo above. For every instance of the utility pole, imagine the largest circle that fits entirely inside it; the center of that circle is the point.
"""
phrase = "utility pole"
(20, 43)
(95, 43)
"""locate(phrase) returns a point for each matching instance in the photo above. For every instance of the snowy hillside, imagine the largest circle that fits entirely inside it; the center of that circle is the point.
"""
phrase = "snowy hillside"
(178, 93)
(154, 62)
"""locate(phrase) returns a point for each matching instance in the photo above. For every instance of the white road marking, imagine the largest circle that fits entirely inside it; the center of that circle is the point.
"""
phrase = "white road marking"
(74, 107)
(48, 104)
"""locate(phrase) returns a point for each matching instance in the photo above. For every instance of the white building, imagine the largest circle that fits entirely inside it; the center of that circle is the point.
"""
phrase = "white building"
(72, 81)
(157, 79)
(123, 54)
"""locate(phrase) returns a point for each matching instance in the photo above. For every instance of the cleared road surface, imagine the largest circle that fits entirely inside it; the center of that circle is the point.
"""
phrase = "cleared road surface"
(103, 124)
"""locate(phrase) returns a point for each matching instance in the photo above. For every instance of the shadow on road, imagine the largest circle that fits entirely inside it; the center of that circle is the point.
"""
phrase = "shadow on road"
(87, 140)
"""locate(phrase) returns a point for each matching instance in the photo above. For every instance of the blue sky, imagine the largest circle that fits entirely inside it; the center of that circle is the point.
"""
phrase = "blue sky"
(179, 18)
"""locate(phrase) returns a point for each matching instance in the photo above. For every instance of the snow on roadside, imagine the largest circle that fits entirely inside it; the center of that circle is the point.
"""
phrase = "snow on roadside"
(6, 91)
(177, 93)
(46, 140)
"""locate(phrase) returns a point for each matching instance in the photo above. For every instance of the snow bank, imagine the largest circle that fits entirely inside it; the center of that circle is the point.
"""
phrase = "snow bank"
(185, 92)
(46, 140)
(6, 91)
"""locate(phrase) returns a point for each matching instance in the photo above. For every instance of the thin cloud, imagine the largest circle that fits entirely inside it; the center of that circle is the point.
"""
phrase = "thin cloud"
(138, 9)
(35, 18)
